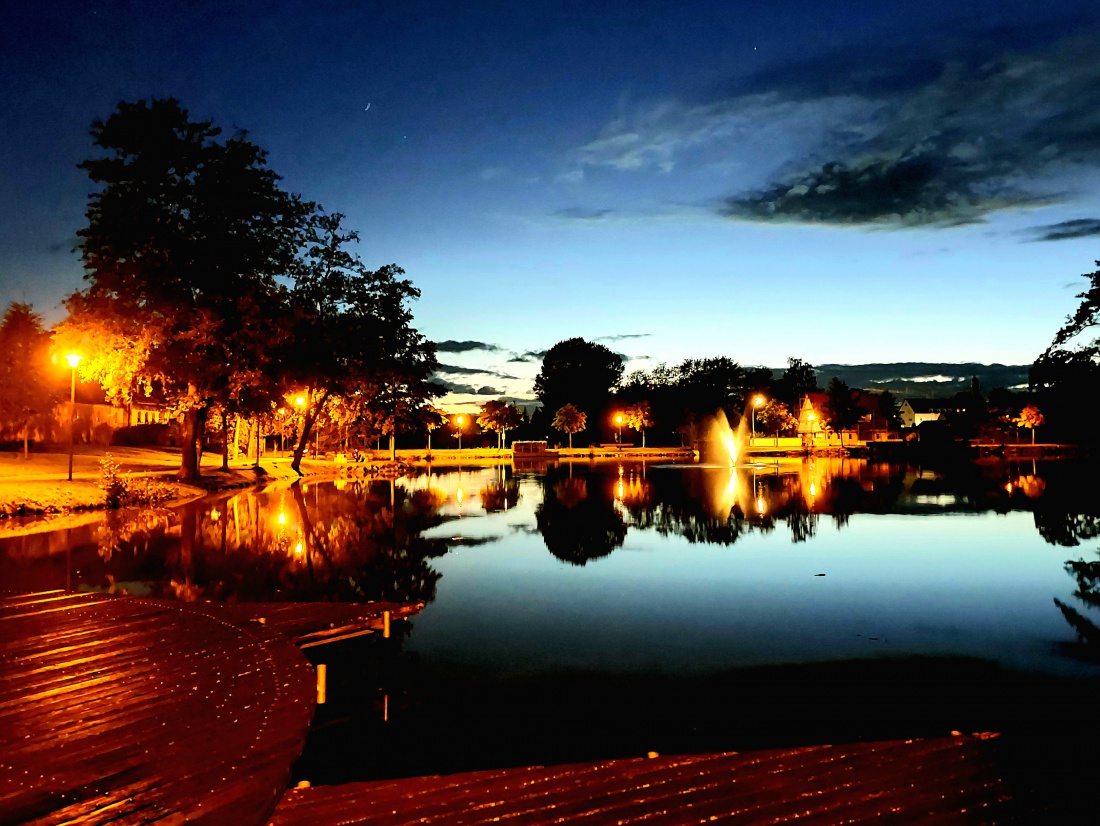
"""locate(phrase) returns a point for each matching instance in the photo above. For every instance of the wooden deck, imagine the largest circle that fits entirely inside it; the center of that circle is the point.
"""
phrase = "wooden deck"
(126, 710)
(316, 623)
(937, 781)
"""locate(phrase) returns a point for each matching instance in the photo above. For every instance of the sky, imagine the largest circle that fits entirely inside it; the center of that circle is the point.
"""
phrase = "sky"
(841, 182)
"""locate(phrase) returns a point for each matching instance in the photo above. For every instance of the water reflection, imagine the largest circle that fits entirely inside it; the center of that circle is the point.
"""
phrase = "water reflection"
(577, 517)
(355, 541)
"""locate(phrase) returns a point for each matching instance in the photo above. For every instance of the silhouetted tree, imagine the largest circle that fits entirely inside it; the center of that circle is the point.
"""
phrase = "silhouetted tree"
(185, 238)
(1070, 364)
(578, 372)
(842, 410)
(352, 334)
(27, 386)
(798, 379)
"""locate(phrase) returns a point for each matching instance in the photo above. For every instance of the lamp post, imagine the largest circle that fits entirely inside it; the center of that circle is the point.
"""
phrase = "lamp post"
(460, 420)
(759, 400)
(619, 422)
(73, 360)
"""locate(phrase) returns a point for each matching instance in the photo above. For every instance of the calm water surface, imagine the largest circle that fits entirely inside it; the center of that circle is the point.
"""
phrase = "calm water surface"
(587, 611)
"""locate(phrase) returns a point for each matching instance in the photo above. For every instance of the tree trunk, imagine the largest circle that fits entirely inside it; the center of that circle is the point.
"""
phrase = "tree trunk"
(225, 442)
(570, 441)
(393, 447)
(189, 455)
(643, 438)
(311, 414)
(26, 440)
(258, 436)
(1033, 435)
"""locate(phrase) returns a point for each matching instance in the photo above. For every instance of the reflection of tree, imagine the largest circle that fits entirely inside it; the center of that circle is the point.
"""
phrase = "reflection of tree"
(1066, 529)
(302, 544)
(581, 525)
(1087, 575)
(500, 495)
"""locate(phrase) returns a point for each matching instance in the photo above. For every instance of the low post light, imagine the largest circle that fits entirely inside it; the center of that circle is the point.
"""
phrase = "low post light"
(619, 423)
(461, 421)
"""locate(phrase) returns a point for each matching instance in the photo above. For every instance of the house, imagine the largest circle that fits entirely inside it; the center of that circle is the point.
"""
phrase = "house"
(915, 412)
(813, 424)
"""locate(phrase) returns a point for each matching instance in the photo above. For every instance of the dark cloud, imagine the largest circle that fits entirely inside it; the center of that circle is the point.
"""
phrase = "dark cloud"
(915, 190)
(455, 370)
(971, 141)
(1079, 228)
(582, 214)
(887, 143)
(529, 356)
(623, 336)
(488, 391)
(450, 346)
(455, 387)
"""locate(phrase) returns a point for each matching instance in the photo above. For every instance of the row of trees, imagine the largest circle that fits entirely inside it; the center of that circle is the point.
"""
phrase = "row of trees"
(211, 286)
(582, 388)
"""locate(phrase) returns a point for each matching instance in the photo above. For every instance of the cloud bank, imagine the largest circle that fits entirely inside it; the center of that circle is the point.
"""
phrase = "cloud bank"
(943, 146)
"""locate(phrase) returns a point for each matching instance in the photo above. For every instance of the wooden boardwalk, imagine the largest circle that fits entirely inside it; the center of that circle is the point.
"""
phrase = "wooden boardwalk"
(938, 781)
(125, 710)
(315, 623)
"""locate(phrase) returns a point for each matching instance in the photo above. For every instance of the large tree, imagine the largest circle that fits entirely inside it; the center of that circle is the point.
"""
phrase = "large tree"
(842, 410)
(1071, 364)
(352, 334)
(27, 388)
(185, 239)
(578, 372)
(798, 379)
(638, 417)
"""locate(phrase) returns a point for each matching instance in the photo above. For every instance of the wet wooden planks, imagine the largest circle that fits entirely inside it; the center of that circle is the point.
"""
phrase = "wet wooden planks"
(313, 623)
(127, 710)
(939, 781)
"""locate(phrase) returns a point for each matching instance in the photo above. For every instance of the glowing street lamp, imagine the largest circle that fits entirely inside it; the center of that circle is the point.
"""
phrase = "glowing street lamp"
(73, 360)
(460, 421)
(759, 400)
(619, 422)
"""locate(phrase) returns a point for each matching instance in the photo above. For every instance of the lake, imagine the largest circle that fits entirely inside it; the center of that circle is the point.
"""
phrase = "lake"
(585, 611)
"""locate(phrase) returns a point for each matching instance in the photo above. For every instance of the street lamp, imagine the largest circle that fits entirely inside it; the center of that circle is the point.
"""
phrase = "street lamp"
(619, 422)
(759, 400)
(73, 360)
(461, 421)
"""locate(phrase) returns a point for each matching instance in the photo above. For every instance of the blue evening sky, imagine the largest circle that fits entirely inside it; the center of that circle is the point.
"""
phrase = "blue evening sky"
(844, 182)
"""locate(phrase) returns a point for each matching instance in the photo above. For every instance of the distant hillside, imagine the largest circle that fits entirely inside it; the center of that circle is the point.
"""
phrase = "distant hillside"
(917, 378)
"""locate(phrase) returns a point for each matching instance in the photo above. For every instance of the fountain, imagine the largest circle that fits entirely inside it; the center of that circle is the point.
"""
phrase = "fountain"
(725, 446)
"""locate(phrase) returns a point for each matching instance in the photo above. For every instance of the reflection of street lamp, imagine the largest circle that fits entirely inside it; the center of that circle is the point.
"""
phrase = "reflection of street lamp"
(759, 400)
(619, 422)
(460, 421)
(73, 360)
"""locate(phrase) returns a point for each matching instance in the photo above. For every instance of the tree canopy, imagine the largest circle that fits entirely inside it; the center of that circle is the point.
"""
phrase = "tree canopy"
(569, 420)
(185, 239)
(578, 372)
(499, 416)
(27, 386)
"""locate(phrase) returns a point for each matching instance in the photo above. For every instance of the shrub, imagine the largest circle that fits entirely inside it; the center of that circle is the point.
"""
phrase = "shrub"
(120, 490)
